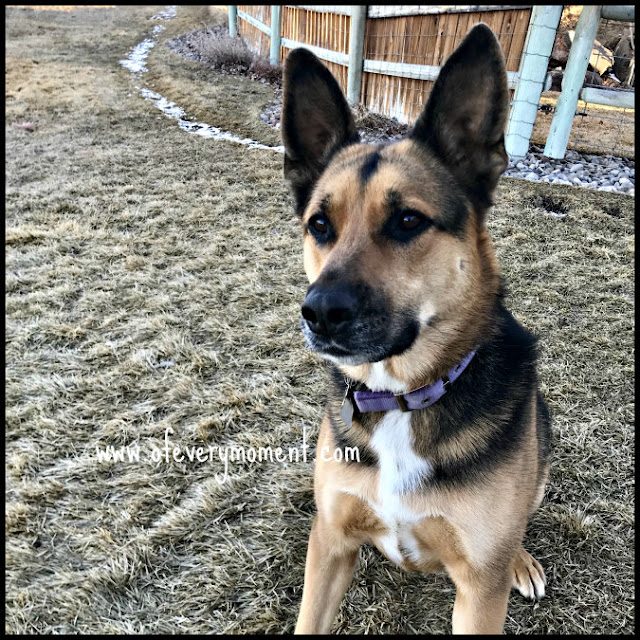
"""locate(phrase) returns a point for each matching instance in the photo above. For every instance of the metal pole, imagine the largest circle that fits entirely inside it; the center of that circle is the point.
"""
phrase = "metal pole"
(624, 13)
(572, 81)
(531, 76)
(274, 50)
(356, 52)
(233, 20)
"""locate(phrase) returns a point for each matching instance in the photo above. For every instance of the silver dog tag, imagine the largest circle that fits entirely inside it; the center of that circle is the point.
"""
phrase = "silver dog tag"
(346, 412)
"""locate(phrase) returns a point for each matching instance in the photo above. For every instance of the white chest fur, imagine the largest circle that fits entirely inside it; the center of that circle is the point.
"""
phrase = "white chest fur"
(401, 471)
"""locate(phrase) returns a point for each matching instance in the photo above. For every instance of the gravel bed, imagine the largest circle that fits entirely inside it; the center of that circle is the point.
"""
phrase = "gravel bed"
(599, 172)
(604, 173)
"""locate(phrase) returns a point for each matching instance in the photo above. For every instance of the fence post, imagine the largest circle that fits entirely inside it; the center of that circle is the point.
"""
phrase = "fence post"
(572, 81)
(356, 52)
(531, 76)
(274, 50)
(233, 20)
(624, 13)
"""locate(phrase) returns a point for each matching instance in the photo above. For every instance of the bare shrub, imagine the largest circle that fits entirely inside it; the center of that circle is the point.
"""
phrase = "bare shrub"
(220, 51)
(261, 69)
(369, 122)
(214, 47)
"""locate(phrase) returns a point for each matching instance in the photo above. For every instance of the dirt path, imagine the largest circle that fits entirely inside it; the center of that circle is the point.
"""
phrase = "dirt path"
(153, 281)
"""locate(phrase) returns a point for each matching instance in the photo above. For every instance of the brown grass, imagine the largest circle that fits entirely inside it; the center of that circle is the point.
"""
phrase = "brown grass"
(604, 130)
(232, 102)
(153, 280)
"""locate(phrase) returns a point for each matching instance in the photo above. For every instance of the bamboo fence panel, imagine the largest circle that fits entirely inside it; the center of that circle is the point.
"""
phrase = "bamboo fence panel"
(326, 30)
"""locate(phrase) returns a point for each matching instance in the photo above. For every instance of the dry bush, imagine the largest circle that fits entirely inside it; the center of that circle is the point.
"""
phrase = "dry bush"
(214, 47)
(261, 69)
(220, 51)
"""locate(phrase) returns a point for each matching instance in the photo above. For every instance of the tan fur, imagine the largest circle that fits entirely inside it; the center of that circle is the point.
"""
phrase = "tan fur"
(474, 534)
(430, 268)
(475, 537)
(447, 276)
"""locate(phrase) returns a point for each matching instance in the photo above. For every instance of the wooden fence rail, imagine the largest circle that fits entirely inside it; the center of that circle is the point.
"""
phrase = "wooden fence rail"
(387, 57)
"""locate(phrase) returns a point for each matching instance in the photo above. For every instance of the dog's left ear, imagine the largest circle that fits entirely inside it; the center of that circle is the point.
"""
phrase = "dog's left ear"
(316, 121)
(464, 119)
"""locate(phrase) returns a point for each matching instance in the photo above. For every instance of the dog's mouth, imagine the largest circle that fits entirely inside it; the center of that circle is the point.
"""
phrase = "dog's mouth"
(359, 343)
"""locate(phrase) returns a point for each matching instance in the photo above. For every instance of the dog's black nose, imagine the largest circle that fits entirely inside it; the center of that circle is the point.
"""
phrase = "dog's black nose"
(328, 310)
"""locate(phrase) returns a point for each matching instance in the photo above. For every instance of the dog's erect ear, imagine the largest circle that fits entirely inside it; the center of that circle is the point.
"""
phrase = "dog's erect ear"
(464, 119)
(316, 121)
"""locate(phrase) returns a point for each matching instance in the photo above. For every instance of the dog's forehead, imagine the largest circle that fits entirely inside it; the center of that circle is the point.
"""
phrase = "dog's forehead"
(360, 180)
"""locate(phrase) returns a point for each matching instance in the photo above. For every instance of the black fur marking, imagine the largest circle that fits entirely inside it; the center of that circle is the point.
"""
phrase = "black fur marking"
(343, 440)
(497, 387)
(316, 122)
(473, 157)
(451, 219)
(404, 341)
(369, 167)
(544, 432)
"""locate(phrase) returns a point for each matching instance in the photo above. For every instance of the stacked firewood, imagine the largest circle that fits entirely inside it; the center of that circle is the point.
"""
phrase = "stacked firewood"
(612, 62)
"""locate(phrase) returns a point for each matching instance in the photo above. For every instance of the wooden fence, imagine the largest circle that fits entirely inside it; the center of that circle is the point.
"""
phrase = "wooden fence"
(388, 57)
(402, 53)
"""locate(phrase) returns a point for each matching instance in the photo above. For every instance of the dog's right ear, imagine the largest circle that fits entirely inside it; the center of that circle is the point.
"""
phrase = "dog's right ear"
(316, 122)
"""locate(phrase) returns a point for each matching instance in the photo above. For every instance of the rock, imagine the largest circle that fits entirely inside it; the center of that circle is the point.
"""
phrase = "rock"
(575, 167)
(26, 126)
(532, 176)
(560, 51)
(625, 182)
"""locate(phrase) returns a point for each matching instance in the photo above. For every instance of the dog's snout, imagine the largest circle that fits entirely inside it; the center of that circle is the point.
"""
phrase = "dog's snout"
(328, 310)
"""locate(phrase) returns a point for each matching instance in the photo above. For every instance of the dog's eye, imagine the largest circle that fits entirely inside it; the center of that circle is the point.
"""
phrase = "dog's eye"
(405, 225)
(320, 228)
(319, 224)
(410, 221)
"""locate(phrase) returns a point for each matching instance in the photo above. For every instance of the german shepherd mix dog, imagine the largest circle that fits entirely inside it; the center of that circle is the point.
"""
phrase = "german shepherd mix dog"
(433, 379)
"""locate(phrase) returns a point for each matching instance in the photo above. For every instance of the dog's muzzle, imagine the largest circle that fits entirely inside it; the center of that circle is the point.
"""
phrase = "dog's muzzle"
(350, 322)
(329, 312)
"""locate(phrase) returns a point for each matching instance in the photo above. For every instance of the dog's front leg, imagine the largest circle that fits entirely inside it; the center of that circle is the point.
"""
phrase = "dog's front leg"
(481, 601)
(328, 572)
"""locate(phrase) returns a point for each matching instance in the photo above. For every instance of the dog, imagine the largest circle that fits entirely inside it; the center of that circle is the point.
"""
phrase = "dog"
(432, 379)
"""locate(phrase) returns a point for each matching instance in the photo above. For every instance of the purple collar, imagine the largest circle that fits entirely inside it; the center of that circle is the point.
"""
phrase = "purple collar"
(418, 399)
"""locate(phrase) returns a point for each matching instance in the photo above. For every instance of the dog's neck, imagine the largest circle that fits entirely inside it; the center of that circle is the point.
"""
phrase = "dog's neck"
(424, 363)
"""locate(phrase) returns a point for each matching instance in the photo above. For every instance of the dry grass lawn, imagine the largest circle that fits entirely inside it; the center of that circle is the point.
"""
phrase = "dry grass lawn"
(153, 280)
(603, 130)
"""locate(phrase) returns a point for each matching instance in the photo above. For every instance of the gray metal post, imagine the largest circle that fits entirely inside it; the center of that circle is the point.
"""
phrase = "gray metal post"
(531, 76)
(274, 49)
(624, 13)
(356, 52)
(233, 20)
(572, 81)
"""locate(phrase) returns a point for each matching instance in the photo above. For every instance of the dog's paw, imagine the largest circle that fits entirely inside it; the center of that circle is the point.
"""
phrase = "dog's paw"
(528, 576)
